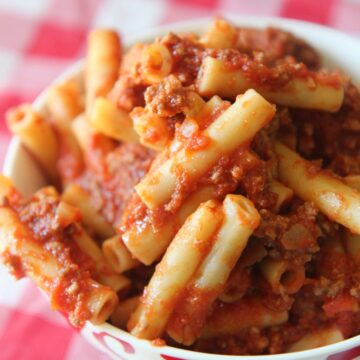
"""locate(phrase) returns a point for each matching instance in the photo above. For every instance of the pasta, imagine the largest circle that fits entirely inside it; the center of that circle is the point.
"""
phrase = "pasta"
(24, 254)
(233, 128)
(64, 102)
(283, 276)
(121, 315)
(115, 123)
(221, 35)
(149, 242)
(104, 272)
(284, 195)
(203, 190)
(232, 318)
(142, 243)
(87, 138)
(316, 339)
(216, 79)
(152, 129)
(76, 196)
(102, 64)
(338, 201)
(352, 244)
(117, 254)
(36, 134)
(353, 181)
(155, 63)
(240, 219)
(184, 254)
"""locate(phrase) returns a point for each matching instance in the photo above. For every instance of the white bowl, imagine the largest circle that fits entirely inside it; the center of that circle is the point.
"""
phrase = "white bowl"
(338, 50)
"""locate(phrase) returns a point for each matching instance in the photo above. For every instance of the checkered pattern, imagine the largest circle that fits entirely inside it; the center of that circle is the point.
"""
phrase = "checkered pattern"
(38, 40)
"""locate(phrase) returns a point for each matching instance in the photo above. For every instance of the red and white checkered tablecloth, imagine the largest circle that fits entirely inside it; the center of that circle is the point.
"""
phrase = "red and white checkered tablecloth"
(38, 40)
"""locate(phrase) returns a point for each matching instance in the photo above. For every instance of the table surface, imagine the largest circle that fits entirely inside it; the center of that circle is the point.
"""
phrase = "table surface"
(41, 38)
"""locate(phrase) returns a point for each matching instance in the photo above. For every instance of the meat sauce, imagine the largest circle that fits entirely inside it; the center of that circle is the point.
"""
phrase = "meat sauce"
(70, 290)
(299, 233)
(112, 186)
(276, 77)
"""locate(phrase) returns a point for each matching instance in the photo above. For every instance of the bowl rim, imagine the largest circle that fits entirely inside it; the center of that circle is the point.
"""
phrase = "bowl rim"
(196, 25)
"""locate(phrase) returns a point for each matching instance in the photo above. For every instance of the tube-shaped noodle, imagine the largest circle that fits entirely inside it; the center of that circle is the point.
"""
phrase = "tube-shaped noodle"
(36, 134)
(220, 35)
(284, 194)
(122, 313)
(230, 319)
(64, 101)
(235, 127)
(117, 255)
(216, 79)
(240, 220)
(155, 63)
(283, 276)
(18, 246)
(147, 243)
(153, 130)
(91, 218)
(108, 120)
(336, 200)
(102, 63)
(317, 338)
(353, 181)
(104, 273)
(352, 245)
(174, 271)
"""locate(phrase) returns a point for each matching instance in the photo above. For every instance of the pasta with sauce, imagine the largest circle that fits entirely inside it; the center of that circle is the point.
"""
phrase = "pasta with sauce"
(205, 191)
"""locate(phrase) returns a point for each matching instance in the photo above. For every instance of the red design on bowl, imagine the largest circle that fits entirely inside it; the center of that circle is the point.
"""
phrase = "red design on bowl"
(346, 355)
(167, 357)
(100, 337)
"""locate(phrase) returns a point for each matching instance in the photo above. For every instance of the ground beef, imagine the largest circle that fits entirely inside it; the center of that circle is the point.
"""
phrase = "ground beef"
(167, 98)
(278, 45)
(112, 188)
(187, 55)
(335, 138)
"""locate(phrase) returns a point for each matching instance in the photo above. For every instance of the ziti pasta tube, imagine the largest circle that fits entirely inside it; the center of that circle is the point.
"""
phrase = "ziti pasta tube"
(284, 195)
(118, 255)
(231, 319)
(353, 181)
(104, 273)
(87, 138)
(122, 313)
(336, 200)
(235, 127)
(174, 271)
(352, 245)
(64, 101)
(220, 35)
(301, 92)
(155, 63)
(283, 276)
(70, 288)
(91, 218)
(36, 134)
(102, 63)
(147, 243)
(107, 119)
(154, 131)
(188, 319)
(314, 339)
(67, 215)
(63, 104)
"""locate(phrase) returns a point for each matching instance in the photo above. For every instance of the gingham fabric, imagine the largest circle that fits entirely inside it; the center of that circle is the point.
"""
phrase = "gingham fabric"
(38, 40)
